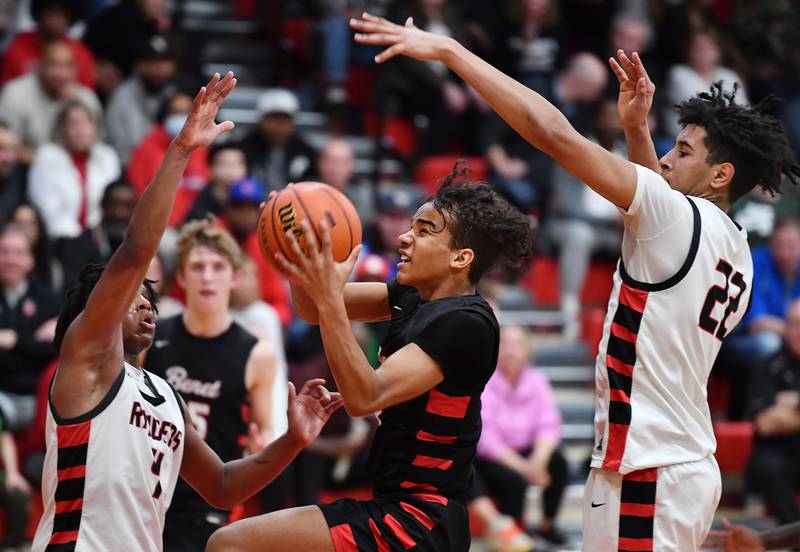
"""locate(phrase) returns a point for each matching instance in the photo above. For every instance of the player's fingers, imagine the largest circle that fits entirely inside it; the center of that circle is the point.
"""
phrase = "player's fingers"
(310, 385)
(389, 53)
(372, 26)
(300, 255)
(310, 237)
(292, 394)
(626, 63)
(223, 84)
(199, 98)
(350, 262)
(377, 39)
(325, 240)
(224, 127)
(333, 406)
(410, 22)
(336, 396)
(228, 89)
(726, 523)
(211, 87)
(288, 269)
(639, 65)
(618, 71)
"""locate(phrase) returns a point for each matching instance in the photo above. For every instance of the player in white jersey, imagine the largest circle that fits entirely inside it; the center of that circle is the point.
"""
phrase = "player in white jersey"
(119, 437)
(682, 284)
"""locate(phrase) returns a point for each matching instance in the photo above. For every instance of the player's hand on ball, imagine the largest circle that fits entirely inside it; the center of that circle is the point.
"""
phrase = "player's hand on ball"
(201, 128)
(309, 410)
(405, 40)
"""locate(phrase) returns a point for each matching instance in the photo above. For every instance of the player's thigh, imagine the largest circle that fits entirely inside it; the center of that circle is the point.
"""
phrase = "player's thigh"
(289, 530)
(601, 506)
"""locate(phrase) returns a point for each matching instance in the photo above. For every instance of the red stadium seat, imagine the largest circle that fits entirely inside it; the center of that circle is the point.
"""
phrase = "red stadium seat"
(719, 396)
(734, 444)
(542, 282)
(397, 131)
(432, 169)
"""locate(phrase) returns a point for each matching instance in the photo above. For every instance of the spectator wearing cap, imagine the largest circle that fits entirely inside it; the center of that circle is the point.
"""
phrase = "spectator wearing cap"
(147, 157)
(227, 165)
(396, 205)
(240, 218)
(30, 104)
(53, 19)
(134, 106)
(276, 153)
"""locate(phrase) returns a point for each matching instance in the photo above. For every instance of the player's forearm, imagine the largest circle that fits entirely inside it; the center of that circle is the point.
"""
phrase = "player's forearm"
(785, 536)
(8, 454)
(303, 305)
(641, 149)
(355, 378)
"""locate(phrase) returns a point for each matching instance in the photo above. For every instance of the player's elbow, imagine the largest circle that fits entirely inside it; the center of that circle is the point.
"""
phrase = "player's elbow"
(551, 135)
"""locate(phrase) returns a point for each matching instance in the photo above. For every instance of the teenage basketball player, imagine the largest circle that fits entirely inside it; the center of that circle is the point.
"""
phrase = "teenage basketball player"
(118, 437)
(682, 284)
(217, 367)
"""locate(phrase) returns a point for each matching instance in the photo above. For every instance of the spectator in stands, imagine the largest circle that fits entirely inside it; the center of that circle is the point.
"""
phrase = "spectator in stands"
(47, 268)
(775, 284)
(53, 19)
(30, 104)
(519, 443)
(27, 325)
(702, 68)
(240, 218)
(116, 206)
(147, 156)
(758, 211)
(14, 491)
(13, 185)
(227, 164)
(774, 471)
(68, 176)
(336, 167)
(583, 222)
(630, 33)
(276, 153)
(133, 107)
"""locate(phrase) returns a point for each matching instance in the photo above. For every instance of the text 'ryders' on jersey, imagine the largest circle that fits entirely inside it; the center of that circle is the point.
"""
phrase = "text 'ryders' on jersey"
(158, 430)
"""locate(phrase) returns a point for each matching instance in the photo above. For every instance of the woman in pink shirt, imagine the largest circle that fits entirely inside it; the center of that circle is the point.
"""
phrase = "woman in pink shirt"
(519, 442)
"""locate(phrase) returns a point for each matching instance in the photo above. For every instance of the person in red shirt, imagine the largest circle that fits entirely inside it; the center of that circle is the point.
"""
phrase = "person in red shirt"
(53, 20)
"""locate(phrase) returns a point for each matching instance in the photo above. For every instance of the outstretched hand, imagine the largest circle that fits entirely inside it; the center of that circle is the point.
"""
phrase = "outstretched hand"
(200, 128)
(635, 89)
(736, 538)
(407, 40)
(310, 409)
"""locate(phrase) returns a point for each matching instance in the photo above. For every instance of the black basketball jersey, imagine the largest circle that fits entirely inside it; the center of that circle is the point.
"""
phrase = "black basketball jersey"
(427, 444)
(209, 373)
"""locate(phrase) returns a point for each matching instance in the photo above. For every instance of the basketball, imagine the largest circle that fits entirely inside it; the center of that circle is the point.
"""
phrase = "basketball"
(314, 202)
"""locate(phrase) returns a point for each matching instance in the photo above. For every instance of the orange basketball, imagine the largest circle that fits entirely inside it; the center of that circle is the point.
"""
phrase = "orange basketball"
(311, 201)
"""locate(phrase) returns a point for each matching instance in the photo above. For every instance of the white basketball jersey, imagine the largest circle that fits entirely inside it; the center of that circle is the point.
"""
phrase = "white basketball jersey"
(660, 339)
(109, 475)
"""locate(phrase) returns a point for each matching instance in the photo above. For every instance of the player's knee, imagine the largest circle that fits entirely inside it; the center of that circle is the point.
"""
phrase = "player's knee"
(223, 539)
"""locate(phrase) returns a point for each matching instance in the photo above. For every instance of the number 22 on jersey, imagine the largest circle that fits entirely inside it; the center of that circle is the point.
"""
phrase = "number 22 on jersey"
(724, 296)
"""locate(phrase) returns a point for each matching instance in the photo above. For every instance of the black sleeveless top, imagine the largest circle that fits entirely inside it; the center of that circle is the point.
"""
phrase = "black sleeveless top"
(209, 374)
(427, 444)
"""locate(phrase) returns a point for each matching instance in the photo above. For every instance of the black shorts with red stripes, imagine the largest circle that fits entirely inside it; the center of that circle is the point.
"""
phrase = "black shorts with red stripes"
(398, 522)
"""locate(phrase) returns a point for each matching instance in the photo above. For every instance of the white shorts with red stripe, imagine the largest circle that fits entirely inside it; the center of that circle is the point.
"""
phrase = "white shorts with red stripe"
(667, 509)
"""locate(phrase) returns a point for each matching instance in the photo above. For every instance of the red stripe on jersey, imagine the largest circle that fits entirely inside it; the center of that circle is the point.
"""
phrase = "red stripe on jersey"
(73, 435)
(439, 499)
(619, 395)
(634, 509)
(423, 461)
(74, 472)
(635, 545)
(63, 537)
(617, 435)
(431, 438)
(343, 539)
(380, 542)
(623, 333)
(420, 486)
(445, 405)
(399, 532)
(650, 475)
(419, 515)
(619, 366)
(633, 298)
(68, 505)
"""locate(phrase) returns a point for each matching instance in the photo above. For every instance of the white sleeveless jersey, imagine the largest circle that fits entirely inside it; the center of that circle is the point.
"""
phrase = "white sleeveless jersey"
(109, 475)
(660, 339)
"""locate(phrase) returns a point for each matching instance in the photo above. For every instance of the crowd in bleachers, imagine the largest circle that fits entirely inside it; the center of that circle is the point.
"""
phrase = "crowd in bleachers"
(93, 91)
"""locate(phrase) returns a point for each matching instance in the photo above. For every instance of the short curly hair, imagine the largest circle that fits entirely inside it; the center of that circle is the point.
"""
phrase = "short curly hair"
(483, 221)
(750, 139)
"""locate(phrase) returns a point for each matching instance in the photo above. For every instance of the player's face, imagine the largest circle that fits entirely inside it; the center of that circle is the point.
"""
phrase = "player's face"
(685, 167)
(425, 251)
(139, 325)
(207, 276)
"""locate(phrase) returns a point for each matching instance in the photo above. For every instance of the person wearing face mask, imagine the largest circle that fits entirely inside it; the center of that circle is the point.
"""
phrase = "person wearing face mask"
(147, 156)
(134, 107)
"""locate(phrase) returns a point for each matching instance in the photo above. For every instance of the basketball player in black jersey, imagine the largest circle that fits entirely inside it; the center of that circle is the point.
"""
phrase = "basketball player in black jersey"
(107, 320)
(440, 350)
(216, 366)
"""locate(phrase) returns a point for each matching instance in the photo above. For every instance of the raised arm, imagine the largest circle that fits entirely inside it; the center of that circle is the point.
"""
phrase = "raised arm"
(532, 116)
(633, 104)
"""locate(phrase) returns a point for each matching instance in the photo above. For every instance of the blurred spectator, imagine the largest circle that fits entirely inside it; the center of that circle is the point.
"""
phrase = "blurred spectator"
(147, 157)
(14, 491)
(583, 222)
(276, 153)
(134, 105)
(116, 206)
(631, 33)
(30, 104)
(758, 211)
(27, 324)
(773, 470)
(396, 205)
(335, 166)
(227, 165)
(163, 279)
(775, 285)
(13, 185)
(68, 176)
(701, 70)
(240, 218)
(519, 443)
(53, 20)
(47, 268)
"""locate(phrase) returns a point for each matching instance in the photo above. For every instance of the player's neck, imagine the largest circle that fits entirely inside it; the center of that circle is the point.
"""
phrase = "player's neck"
(206, 324)
(448, 288)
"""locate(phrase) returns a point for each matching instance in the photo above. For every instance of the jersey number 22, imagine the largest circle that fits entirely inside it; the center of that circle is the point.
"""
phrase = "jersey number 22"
(717, 294)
